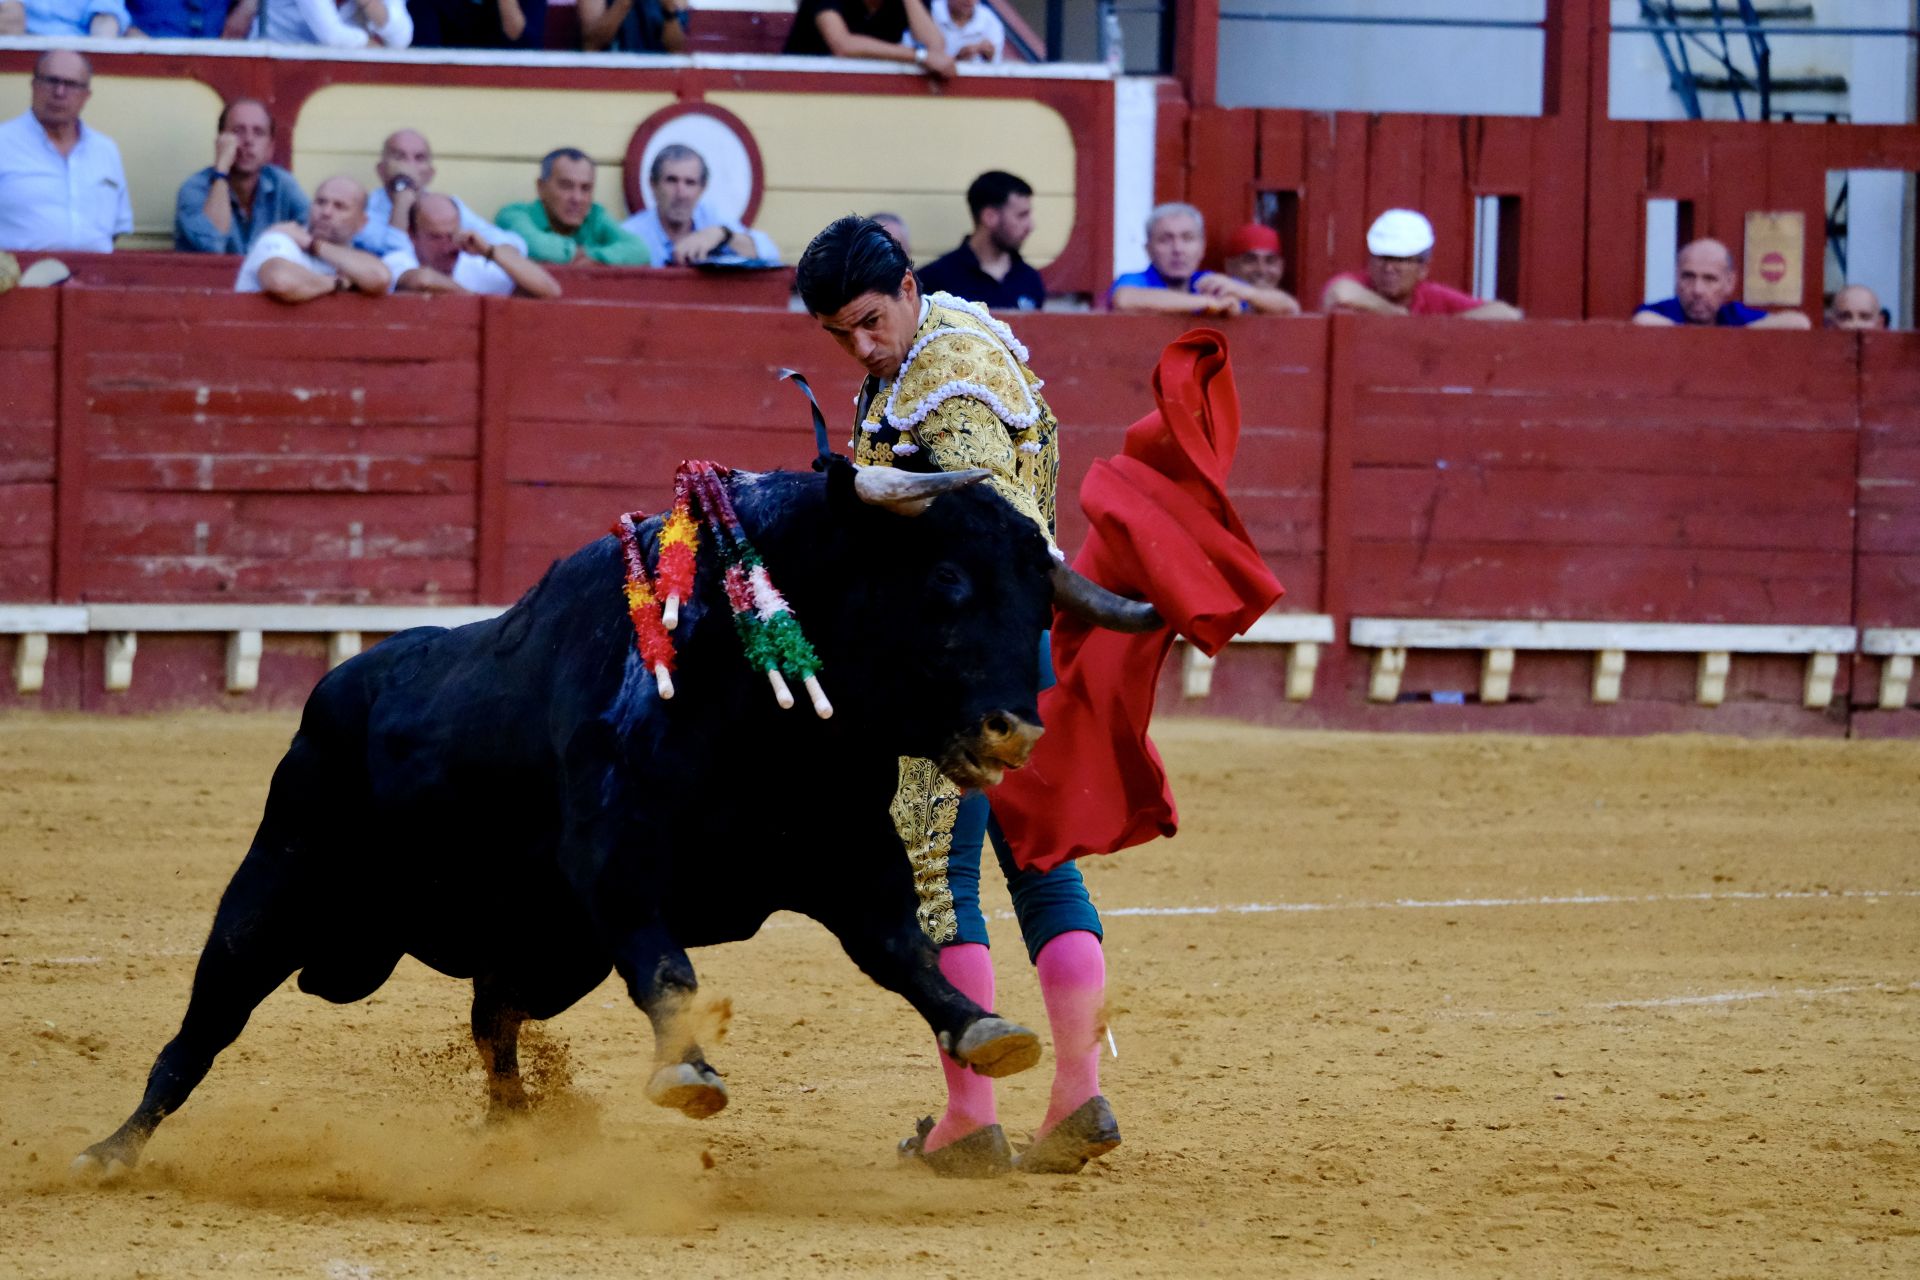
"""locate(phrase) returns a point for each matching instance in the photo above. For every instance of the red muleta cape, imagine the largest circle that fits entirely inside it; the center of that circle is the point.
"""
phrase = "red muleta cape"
(1163, 530)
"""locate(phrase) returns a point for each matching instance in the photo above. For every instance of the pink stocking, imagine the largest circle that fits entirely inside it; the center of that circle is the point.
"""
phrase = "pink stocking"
(969, 967)
(1073, 981)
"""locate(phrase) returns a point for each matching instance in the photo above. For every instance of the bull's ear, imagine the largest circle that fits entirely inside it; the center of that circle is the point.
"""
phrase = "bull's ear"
(909, 493)
(1087, 599)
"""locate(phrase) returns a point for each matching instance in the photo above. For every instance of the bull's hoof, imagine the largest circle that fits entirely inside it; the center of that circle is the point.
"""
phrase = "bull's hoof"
(693, 1091)
(984, 1153)
(1089, 1133)
(994, 1047)
(104, 1161)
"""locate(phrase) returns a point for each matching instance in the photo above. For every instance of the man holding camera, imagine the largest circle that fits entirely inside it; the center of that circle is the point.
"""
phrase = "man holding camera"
(406, 173)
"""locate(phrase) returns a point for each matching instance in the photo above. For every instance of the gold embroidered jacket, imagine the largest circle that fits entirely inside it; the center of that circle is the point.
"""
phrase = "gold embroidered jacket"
(964, 397)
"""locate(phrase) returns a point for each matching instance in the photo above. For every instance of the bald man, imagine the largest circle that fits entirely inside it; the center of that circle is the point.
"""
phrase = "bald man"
(1705, 278)
(1856, 307)
(406, 173)
(293, 263)
(448, 258)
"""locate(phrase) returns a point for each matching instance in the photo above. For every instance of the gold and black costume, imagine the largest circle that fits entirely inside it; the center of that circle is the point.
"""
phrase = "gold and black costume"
(963, 397)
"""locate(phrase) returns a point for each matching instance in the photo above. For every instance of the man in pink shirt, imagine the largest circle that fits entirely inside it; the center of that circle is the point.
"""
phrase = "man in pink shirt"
(1395, 284)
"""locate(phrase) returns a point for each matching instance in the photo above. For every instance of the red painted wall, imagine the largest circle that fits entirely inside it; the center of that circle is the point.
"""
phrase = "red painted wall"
(198, 446)
(29, 339)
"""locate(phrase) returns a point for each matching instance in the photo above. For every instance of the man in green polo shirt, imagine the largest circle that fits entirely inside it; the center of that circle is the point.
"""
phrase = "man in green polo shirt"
(565, 225)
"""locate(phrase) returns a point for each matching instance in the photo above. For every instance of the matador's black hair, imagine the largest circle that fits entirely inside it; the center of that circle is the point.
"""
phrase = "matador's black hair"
(854, 255)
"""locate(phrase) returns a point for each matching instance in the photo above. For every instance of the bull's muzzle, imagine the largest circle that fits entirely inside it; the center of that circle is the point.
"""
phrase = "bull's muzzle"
(1001, 741)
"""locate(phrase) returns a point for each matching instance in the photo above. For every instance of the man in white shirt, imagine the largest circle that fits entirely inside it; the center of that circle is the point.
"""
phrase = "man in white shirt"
(406, 173)
(681, 229)
(350, 24)
(974, 33)
(62, 185)
(447, 257)
(293, 263)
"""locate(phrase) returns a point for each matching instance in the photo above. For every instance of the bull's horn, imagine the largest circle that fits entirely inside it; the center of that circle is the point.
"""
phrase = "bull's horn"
(1087, 599)
(909, 493)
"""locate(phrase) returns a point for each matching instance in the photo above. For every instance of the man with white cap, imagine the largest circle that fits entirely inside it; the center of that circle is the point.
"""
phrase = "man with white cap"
(1399, 244)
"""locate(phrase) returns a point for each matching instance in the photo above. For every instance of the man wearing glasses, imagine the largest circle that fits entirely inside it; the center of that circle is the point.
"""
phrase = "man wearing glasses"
(61, 184)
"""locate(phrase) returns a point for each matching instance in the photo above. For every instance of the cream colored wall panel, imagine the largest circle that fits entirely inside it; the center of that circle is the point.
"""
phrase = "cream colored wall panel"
(936, 221)
(930, 144)
(164, 128)
(473, 123)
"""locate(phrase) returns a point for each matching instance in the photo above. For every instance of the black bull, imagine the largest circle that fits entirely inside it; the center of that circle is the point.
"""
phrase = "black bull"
(512, 801)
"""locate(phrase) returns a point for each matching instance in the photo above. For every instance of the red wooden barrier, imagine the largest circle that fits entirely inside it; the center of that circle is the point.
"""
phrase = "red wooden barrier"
(205, 447)
(29, 342)
(1889, 496)
(236, 450)
(1601, 471)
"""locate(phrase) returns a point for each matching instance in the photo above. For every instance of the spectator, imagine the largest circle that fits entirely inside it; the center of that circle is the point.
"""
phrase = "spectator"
(224, 207)
(61, 184)
(973, 32)
(189, 19)
(987, 267)
(1399, 244)
(1172, 282)
(1704, 280)
(681, 229)
(406, 173)
(1856, 307)
(293, 263)
(634, 26)
(1253, 259)
(479, 24)
(104, 18)
(870, 29)
(448, 257)
(896, 226)
(565, 224)
(351, 24)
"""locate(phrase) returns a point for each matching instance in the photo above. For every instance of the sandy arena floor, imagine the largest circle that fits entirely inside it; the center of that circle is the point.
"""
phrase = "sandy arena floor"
(1389, 1006)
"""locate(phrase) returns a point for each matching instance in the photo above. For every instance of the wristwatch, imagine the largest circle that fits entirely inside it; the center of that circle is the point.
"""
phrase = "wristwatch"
(224, 177)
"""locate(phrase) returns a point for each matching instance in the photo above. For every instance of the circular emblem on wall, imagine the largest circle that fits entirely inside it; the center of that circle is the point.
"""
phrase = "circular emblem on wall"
(734, 177)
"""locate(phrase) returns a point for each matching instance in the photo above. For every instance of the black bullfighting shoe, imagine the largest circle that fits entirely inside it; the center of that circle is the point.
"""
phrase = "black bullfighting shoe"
(984, 1153)
(1089, 1133)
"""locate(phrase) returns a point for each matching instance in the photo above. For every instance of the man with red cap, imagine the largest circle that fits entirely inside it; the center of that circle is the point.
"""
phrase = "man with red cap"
(1399, 243)
(1254, 260)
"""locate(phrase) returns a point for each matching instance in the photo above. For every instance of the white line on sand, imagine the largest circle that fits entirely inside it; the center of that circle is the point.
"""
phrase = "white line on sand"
(1571, 900)
(1771, 993)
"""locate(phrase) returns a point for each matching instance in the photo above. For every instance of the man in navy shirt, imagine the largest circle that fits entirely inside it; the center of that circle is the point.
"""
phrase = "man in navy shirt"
(987, 267)
(1704, 280)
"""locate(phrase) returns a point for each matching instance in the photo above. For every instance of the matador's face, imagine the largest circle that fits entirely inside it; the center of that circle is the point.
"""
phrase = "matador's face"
(877, 330)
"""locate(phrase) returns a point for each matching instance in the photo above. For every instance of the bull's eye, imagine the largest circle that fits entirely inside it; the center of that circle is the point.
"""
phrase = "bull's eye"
(948, 580)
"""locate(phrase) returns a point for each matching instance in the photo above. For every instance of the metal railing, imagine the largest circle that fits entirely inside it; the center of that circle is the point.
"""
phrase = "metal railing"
(1715, 32)
(1675, 38)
